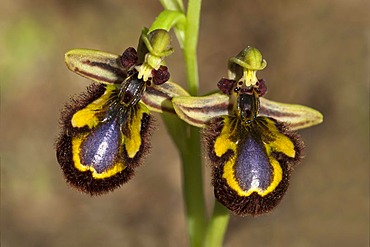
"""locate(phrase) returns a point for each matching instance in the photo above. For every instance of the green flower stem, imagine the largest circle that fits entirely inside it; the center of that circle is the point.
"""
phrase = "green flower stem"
(193, 187)
(186, 137)
(191, 155)
(217, 226)
(173, 5)
(190, 45)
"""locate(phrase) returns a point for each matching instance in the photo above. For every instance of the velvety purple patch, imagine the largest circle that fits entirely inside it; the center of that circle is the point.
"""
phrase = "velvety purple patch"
(252, 168)
(99, 150)
(262, 88)
(129, 57)
(226, 85)
(160, 75)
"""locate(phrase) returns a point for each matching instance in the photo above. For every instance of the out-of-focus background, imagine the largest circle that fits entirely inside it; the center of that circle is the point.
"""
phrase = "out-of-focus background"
(318, 55)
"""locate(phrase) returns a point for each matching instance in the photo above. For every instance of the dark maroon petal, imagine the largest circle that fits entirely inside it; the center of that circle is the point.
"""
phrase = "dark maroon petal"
(129, 57)
(262, 88)
(225, 85)
(160, 75)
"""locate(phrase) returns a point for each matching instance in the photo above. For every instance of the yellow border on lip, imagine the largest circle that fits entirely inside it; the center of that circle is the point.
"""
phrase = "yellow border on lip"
(273, 141)
(76, 149)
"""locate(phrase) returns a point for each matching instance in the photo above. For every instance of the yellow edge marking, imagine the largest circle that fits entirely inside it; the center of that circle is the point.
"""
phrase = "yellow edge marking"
(223, 143)
(277, 177)
(133, 143)
(76, 148)
(282, 143)
(86, 116)
(229, 175)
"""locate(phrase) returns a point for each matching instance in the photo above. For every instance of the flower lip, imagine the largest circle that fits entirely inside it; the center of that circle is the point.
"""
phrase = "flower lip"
(101, 141)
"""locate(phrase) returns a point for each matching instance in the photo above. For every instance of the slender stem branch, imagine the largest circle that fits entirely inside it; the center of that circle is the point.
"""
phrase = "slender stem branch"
(187, 138)
(191, 157)
(173, 4)
(193, 187)
(217, 226)
(190, 45)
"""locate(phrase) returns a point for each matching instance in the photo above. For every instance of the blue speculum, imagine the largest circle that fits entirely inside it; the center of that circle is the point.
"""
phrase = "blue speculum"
(101, 147)
(252, 167)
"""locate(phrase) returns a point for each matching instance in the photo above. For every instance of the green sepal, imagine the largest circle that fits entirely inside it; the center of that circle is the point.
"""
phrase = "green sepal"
(158, 97)
(198, 111)
(168, 19)
(248, 59)
(96, 65)
(158, 42)
(153, 47)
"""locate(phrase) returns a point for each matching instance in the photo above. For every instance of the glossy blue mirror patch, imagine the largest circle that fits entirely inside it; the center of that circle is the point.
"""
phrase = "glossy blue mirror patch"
(101, 147)
(252, 167)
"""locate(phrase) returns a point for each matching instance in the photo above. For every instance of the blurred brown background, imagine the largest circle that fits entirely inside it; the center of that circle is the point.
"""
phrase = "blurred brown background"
(318, 55)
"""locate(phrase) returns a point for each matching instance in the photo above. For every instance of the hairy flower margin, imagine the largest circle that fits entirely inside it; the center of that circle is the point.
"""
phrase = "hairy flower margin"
(105, 132)
(249, 140)
(207, 112)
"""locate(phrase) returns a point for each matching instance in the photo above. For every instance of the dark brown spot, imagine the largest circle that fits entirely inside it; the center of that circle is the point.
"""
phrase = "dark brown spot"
(226, 85)
(160, 75)
(129, 57)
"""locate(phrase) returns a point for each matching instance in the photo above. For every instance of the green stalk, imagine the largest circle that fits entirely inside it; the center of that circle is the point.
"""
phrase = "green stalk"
(193, 187)
(190, 45)
(191, 155)
(186, 137)
(217, 226)
(214, 232)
